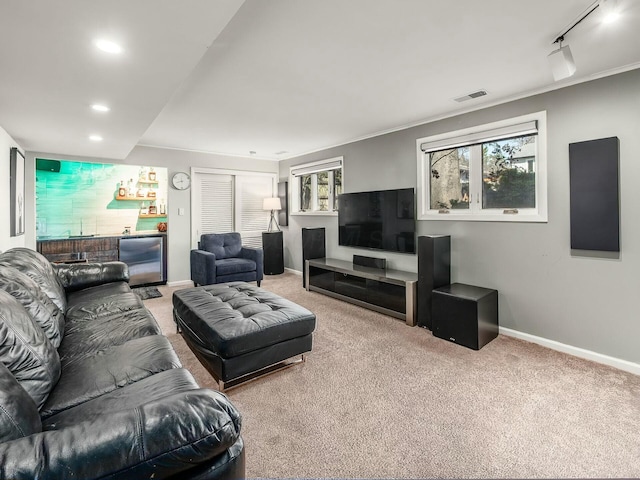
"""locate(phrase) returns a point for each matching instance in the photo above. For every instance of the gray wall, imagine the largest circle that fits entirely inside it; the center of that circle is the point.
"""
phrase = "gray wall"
(545, 289)
(6, 240)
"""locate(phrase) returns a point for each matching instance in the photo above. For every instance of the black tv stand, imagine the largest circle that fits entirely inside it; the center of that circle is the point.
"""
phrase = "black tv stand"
(392, 292)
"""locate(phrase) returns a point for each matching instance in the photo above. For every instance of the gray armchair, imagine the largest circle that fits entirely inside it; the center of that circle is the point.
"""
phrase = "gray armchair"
(220, 258)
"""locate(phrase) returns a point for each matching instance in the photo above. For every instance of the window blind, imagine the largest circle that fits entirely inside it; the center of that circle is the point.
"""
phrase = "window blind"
(473, 138)
(215, 203)
(331, 164)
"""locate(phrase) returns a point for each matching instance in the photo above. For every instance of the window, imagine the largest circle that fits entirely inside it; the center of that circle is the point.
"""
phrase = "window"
(493, 172)
(228, 201)
(315, 187)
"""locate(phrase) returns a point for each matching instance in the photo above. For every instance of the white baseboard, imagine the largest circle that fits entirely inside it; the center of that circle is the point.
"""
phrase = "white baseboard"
(291, 270)
(575, 351)
(181, 283)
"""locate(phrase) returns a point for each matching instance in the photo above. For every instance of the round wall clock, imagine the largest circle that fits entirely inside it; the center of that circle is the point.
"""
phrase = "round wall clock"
(180, 181)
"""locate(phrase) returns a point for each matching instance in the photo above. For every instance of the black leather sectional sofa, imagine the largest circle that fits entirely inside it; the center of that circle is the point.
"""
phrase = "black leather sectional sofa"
(91, 389)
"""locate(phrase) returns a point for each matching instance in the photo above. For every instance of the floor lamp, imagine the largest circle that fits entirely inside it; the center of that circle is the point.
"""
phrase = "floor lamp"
(273, 204)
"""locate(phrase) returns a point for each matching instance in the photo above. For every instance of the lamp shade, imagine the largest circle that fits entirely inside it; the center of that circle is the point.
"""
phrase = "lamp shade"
(272, 203)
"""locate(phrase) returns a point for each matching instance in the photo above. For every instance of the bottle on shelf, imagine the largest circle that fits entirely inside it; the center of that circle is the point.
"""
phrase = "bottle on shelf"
(144, 210)
(140, 192)
(152, 174)
(142, 175)
(130, 192)
(163, 207)
(121, 190)
(153, 209)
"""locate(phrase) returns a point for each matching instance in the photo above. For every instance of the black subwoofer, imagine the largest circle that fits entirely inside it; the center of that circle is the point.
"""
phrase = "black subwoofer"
(465, 314)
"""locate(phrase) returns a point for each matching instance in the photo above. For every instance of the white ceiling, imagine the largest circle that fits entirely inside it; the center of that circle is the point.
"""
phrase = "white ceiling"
(233, 76)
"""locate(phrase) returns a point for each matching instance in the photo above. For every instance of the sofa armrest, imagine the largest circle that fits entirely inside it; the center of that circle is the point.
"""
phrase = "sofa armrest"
(157, 440)
(203, 267)
(257, 255)
(77, 276)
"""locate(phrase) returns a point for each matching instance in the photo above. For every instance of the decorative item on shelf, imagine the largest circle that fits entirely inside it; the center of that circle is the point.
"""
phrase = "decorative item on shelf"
(151, 193)
(140, 192)
(121, 190)
(144, 210)
(163, 207)
(162, 226)
(142, 175)
(273, 204)
(130, 191)
(153, 209)
(152, 174)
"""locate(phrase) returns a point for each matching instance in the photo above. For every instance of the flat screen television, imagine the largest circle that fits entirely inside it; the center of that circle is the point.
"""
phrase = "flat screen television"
(383, 220)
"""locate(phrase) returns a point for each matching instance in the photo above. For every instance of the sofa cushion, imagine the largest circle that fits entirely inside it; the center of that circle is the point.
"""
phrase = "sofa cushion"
(39, 269)
(85, 336)
(222, 245)
(19, 415)
(231, 266)
(156, 386)
(26, 351)
(85, 378)
(107, 299)
(39, 306)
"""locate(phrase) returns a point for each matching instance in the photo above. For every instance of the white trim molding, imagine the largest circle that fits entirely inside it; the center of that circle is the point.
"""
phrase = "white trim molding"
(618, 363)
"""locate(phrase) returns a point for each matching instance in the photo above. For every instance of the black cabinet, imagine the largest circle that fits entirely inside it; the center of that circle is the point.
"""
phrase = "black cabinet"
(465, 314)
(392, 292)
(273, 253)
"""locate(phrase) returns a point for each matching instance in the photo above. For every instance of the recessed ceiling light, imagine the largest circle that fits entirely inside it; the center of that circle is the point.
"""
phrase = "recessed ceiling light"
(108, 46)
(100, 108)
(95, 138)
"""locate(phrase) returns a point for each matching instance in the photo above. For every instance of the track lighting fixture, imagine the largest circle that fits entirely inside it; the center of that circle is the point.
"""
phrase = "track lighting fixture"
(561, 59)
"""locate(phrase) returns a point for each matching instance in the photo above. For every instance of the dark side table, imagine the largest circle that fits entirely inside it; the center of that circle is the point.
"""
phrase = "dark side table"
(273, 253)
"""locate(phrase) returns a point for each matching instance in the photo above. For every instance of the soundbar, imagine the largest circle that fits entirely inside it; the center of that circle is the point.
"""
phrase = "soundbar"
(362, 261)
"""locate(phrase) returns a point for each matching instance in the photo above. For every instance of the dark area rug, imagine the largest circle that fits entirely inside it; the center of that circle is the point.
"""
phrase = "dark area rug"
(145, 293)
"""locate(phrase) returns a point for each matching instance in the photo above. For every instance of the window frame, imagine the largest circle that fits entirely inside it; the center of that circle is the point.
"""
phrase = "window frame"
(313, 168)
(472, 136)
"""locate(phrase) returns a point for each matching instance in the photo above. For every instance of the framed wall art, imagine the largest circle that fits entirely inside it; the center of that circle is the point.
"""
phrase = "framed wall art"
(17, 192)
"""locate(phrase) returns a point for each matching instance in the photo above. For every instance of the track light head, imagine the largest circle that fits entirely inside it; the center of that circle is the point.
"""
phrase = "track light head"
(561, 61)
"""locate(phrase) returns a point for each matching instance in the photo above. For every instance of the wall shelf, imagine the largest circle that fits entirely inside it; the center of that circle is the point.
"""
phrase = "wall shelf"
(135, 199)
(152, 215)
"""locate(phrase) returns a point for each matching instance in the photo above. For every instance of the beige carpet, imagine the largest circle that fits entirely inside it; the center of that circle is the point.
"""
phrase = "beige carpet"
(379, 399)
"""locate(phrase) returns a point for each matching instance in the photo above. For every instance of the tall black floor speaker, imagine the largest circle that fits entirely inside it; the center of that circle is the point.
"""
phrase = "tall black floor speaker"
(434, 271)
(273, 251)
(313, 246)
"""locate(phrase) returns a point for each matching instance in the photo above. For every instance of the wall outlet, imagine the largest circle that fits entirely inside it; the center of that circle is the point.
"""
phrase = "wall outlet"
(181, 211)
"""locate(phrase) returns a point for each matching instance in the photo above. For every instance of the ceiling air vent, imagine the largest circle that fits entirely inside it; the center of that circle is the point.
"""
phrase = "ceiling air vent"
(464, 98)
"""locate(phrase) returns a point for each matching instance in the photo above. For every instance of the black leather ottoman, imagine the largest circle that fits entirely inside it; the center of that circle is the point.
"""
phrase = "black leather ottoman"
(238, 330)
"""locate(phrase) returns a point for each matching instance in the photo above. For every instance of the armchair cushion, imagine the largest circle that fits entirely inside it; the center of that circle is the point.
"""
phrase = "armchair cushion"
(230, 266)
(222, 245)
